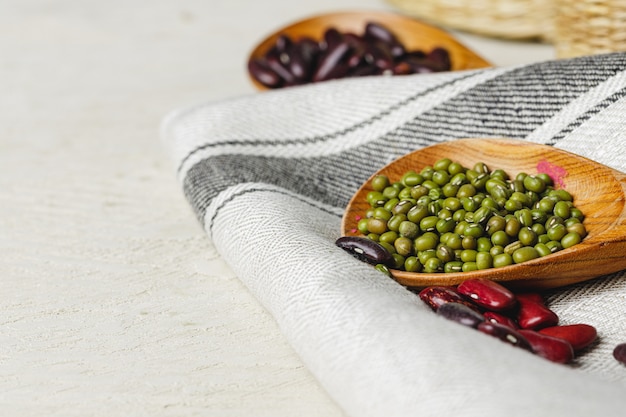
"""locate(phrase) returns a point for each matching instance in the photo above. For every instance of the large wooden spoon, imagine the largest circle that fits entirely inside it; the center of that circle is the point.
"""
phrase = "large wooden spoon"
(412, 33)
(599, 192)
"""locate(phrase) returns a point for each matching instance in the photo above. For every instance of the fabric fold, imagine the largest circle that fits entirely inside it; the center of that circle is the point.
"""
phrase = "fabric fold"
(269, 176)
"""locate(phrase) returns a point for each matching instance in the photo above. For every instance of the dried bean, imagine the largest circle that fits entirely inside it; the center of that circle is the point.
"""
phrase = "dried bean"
(441, 58)
(420, 65)
(578, 335)
(379, 55)
(378, 32)
(535, 316)
(263, 73)
(504, 333)
(488, 294)
(435, 297)
(365, 249)
(298, 64)
(549, 347)
(461, 314)
(537, 331)
(376, 51)
(330, 62)
(276, 60)
(283, 43)
(332, 38)
(498, 318)
(531, 296)
(310, 51)
(356, 56)
(619, 353)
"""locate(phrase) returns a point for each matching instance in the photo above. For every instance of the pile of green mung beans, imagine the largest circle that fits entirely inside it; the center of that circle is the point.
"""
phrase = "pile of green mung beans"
(449, 218)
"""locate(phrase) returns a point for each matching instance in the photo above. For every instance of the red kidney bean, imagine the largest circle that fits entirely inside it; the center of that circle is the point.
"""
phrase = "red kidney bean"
(578, 335)
(376, 51)
(276, 61)
(535, 316)
(357, 53)
(297, 64)
(376, 31)
(263, 73)
(421, 66)
(619, 353)
(353, 39)
(397, 50)
(338, 71)
(531, 296)
(354, 59)
(504, 333)
(310, 49)
(283, 43)
(330, 61)
(498, 318)
(532, 325)
(441, 58)
(332, 38)
(488, 294)
(436, 296)
(379, 55)
(310, 52)
(548, 347)
(461, 314)
(365, 249)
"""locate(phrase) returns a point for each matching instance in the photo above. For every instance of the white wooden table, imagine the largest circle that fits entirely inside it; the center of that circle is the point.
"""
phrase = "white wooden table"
(113, 303)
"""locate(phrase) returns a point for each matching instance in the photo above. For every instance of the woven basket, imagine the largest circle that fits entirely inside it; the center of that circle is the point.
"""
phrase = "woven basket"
(587, 27)
(509, 19)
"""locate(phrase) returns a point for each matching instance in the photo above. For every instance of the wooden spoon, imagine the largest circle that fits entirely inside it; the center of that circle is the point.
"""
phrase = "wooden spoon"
(412, 33)
(598, 191)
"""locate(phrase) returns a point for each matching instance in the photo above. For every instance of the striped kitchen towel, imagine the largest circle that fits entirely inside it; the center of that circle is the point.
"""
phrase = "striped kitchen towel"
(269, 175)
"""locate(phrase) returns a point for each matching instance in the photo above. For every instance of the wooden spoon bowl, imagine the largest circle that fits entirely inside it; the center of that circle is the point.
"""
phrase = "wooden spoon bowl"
(412, 33)
(598, 191)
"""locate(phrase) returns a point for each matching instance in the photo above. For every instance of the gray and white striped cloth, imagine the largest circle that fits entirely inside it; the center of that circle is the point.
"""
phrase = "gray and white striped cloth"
(269, 175)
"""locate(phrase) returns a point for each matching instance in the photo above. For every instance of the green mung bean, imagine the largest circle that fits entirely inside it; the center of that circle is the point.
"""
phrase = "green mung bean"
(447, 218)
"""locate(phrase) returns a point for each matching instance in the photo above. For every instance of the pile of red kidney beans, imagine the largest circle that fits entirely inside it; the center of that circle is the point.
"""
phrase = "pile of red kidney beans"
(521, 319)
(339, 55)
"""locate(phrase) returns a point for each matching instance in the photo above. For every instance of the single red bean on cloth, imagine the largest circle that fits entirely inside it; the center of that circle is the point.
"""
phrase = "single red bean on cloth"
(523, 320)
(619, 353)
(338, 55)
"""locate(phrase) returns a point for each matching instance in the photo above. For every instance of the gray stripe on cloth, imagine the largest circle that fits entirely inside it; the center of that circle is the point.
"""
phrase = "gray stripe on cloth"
(587, 115)
(513, 104)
